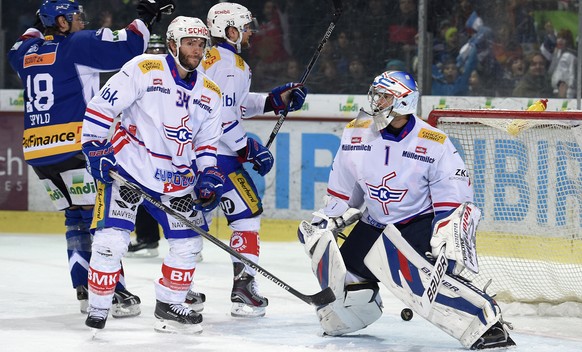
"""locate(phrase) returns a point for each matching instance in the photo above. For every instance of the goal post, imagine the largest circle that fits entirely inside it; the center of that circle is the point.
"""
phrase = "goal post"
(526, 169)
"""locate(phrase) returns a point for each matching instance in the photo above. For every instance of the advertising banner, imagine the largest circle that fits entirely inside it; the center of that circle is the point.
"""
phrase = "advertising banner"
(13, 168)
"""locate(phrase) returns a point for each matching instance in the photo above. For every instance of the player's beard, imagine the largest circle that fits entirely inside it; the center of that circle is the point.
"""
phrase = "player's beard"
(186, 61)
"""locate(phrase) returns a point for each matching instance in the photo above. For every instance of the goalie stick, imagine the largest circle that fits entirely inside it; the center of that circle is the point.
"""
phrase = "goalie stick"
(337, 11)
(319, 299)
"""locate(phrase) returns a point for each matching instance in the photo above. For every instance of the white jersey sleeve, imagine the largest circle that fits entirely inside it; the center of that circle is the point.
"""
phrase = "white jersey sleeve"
(233, 76)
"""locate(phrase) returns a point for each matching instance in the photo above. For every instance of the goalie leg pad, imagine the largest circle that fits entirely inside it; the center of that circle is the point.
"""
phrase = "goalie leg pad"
(326, 260)
(460, 309)
(359, 307)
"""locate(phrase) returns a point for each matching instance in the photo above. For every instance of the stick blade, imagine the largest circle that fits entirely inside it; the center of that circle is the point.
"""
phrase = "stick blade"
(322, 298)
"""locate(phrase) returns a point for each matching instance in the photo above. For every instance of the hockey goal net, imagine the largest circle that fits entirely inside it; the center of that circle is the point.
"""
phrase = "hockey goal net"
(526, 169)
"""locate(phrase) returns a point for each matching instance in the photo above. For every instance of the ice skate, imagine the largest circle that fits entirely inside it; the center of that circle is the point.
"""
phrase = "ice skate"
(497, 336)
(96, 318)
(83, 298)
(195, 300)
(125, 304)
(176, 318)
(246, 301)
(140, 249)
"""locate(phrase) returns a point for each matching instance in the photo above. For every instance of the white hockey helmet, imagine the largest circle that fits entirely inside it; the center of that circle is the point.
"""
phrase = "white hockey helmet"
(185, 27)
(401, 85)
(227, 14)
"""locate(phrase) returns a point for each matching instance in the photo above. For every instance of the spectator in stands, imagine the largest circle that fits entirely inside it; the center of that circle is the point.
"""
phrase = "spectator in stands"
(535, 82)
(356, 82)
(402, 29)
(562, 60)
(372, 23)
(504, 45)
(513, 72)
(327, 81)
(520, 18)
(455, 81)
(396, 65)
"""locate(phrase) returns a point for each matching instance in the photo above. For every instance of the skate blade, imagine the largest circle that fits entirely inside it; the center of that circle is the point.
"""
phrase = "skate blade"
(197, 307)
(84, 305)
(144, 253)
(241, 310)
(118, 311)
(172, 327)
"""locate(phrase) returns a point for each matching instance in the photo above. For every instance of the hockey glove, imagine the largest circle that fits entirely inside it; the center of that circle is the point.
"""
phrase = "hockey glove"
(100, 159)
(455, 231)
(151, 11)
(257, 154)
(291, 95)
(208, 189)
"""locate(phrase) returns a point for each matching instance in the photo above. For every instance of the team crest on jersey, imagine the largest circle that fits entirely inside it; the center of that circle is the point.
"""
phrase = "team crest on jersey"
(211, 56)
(432, 135)
(181, 134)
(384, 194)
(150, 65)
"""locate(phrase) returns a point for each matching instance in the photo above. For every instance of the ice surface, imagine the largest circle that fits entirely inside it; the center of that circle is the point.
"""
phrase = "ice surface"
(39, 311)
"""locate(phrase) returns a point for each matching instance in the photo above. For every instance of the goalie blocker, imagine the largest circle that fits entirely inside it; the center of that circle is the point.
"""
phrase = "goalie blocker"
(458, 308)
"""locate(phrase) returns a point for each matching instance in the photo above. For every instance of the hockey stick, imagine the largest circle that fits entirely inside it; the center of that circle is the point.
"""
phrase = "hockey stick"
(319, 299)
(337, 11)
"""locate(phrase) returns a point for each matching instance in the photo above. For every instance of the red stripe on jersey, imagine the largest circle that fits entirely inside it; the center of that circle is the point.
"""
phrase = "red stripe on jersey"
(338, 195)
(100, 115)
(447, 205)
(133, 28)
(206, 147)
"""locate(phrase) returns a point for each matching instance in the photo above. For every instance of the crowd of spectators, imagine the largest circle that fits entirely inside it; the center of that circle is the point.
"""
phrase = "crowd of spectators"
(490, 48)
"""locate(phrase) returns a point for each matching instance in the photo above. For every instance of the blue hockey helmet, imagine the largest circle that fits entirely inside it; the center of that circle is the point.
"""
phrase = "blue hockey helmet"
(399, 84)
(51, 9)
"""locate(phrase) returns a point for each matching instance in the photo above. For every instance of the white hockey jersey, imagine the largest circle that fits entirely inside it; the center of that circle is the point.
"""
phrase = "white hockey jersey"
(397, 178)
(166, 122)
(233, 76)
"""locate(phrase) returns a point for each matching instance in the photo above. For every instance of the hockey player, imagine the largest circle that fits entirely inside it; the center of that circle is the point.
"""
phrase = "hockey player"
(231, 27)
(417, 200)
(171, 117)
(147, 231)
(59, 69)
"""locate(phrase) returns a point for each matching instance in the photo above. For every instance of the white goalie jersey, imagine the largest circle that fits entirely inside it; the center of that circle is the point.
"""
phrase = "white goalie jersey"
(166, 125)
(417, 172)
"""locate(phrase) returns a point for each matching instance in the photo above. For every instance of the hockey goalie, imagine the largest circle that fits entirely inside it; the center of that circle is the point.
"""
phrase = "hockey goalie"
(406, 188)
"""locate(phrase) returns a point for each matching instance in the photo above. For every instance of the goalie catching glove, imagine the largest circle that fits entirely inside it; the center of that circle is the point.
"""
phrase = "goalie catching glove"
(208, 189)
(150, 11)
(455, 231)
(294, 93)
(100, 159)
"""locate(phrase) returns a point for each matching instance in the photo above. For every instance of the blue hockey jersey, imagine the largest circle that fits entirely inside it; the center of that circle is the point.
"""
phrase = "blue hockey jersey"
(60, 75)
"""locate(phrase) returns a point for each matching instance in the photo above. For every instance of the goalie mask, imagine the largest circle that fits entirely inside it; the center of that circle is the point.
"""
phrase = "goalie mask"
(392, 93)
(185, 27)
(51, 9)
(226, 14)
